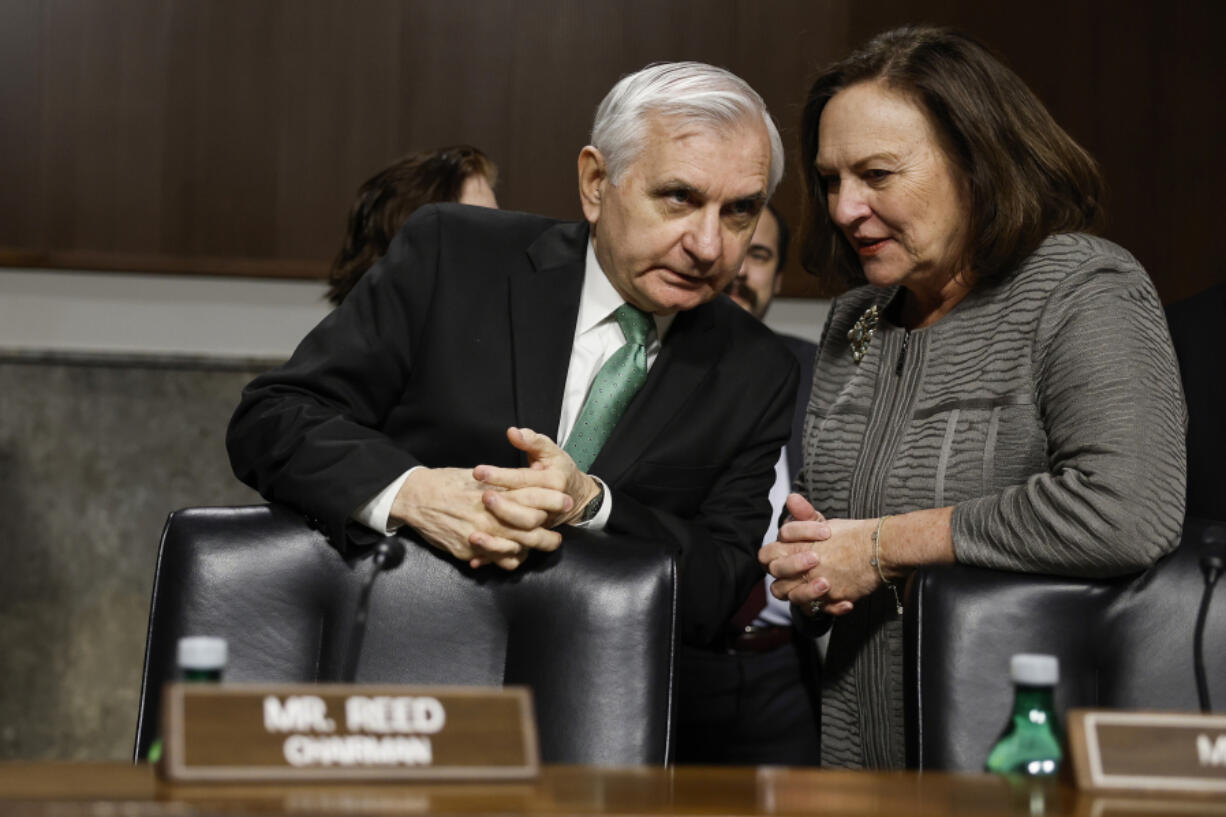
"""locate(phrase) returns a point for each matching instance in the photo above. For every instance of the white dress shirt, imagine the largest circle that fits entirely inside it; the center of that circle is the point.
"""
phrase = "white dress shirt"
(776, 613)
(597, 337)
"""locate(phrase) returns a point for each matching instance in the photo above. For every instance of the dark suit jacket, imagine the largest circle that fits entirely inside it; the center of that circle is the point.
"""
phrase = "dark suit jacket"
(805, 353)
(463, 329)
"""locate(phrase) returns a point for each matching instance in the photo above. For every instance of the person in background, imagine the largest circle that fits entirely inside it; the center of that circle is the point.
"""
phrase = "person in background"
(497, 375)
(753, 699)
(998, 389)
(459, 173)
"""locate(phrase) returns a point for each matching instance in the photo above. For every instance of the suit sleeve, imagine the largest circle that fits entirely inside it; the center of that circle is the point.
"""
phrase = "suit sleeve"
(307, 434)
(717, 548)
(1111, 500)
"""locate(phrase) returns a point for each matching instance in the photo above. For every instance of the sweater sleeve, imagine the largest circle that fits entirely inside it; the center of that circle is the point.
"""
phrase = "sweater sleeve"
(1111, 405)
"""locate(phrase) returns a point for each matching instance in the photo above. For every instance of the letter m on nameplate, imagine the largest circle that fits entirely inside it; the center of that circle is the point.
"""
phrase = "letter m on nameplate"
(296, 713)
(265, 732)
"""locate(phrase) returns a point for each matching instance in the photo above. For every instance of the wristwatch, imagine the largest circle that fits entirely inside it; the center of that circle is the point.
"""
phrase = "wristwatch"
(592, 508)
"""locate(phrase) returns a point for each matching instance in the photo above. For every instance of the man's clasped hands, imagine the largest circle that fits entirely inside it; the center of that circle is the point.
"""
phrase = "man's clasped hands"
(490, 515)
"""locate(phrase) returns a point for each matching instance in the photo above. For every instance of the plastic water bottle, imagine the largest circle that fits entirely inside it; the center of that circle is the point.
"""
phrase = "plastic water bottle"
(200, 659)
(1031, 743)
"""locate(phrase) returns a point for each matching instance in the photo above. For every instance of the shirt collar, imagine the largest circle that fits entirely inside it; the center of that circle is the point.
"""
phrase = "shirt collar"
(599, 300)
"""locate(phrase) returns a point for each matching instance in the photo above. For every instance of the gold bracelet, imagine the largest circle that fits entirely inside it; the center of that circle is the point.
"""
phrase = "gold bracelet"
(876, 562)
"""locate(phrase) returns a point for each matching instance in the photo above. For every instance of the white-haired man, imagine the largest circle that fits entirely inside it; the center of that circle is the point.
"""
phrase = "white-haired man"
(432, 397)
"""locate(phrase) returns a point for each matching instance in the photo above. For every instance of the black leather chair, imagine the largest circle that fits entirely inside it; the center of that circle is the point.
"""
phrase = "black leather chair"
(589, 627)
(1122, 644)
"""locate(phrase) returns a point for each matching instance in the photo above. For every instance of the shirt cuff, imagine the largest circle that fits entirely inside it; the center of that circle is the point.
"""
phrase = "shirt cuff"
(601, 518)
(375, 512)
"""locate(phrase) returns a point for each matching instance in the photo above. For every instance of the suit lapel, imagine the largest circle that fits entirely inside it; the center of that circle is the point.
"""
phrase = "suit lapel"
(804, 353)
(544, 305)
(693, 346)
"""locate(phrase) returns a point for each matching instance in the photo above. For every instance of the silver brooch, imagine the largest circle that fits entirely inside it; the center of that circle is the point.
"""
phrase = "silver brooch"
(861, 334)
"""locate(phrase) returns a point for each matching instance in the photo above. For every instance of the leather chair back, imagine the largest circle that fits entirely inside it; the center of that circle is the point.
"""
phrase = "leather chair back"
(589, 627)
(1124, 643)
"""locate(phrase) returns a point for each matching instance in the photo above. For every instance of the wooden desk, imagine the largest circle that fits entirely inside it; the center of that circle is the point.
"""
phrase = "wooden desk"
(69, 789)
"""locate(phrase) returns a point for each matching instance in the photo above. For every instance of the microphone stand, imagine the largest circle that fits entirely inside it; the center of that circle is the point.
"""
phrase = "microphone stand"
(1212, 564)
(388, 555)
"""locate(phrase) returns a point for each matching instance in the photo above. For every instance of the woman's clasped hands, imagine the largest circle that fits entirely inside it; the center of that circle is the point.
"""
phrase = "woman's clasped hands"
(821, 564)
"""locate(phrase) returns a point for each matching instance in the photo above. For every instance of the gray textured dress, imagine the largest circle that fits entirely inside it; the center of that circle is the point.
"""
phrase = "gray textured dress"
(1045, 408)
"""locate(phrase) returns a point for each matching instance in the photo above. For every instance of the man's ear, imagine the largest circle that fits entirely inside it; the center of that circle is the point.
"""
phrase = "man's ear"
(778, 281)
(592, 176)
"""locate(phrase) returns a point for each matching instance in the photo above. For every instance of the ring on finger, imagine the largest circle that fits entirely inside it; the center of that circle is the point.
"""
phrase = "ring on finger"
(815, 607)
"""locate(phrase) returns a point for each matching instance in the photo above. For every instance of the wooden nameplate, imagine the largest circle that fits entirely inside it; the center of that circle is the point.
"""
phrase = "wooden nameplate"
(312, 732)
(1148, 751)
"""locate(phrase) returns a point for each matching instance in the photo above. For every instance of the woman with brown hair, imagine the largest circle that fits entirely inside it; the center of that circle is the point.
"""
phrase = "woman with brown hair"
(460, 173)
(998, 388)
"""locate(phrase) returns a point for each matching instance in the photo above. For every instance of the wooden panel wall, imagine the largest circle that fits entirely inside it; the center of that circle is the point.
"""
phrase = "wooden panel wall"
(228, 136)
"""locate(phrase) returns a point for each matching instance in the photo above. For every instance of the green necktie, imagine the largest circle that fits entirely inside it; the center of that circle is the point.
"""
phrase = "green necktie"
(618, 380)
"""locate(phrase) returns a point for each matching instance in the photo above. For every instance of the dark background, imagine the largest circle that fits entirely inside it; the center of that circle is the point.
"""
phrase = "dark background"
(228, 136)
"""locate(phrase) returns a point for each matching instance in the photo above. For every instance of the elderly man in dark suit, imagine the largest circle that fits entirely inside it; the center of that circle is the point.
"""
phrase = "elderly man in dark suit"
(433, 396)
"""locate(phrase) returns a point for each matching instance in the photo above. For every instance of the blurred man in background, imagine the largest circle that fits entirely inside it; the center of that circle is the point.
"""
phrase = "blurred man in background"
(753, 698)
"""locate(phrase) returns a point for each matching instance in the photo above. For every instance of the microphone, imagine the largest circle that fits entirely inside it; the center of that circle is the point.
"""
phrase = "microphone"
(389, 553)
(1212, 565)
